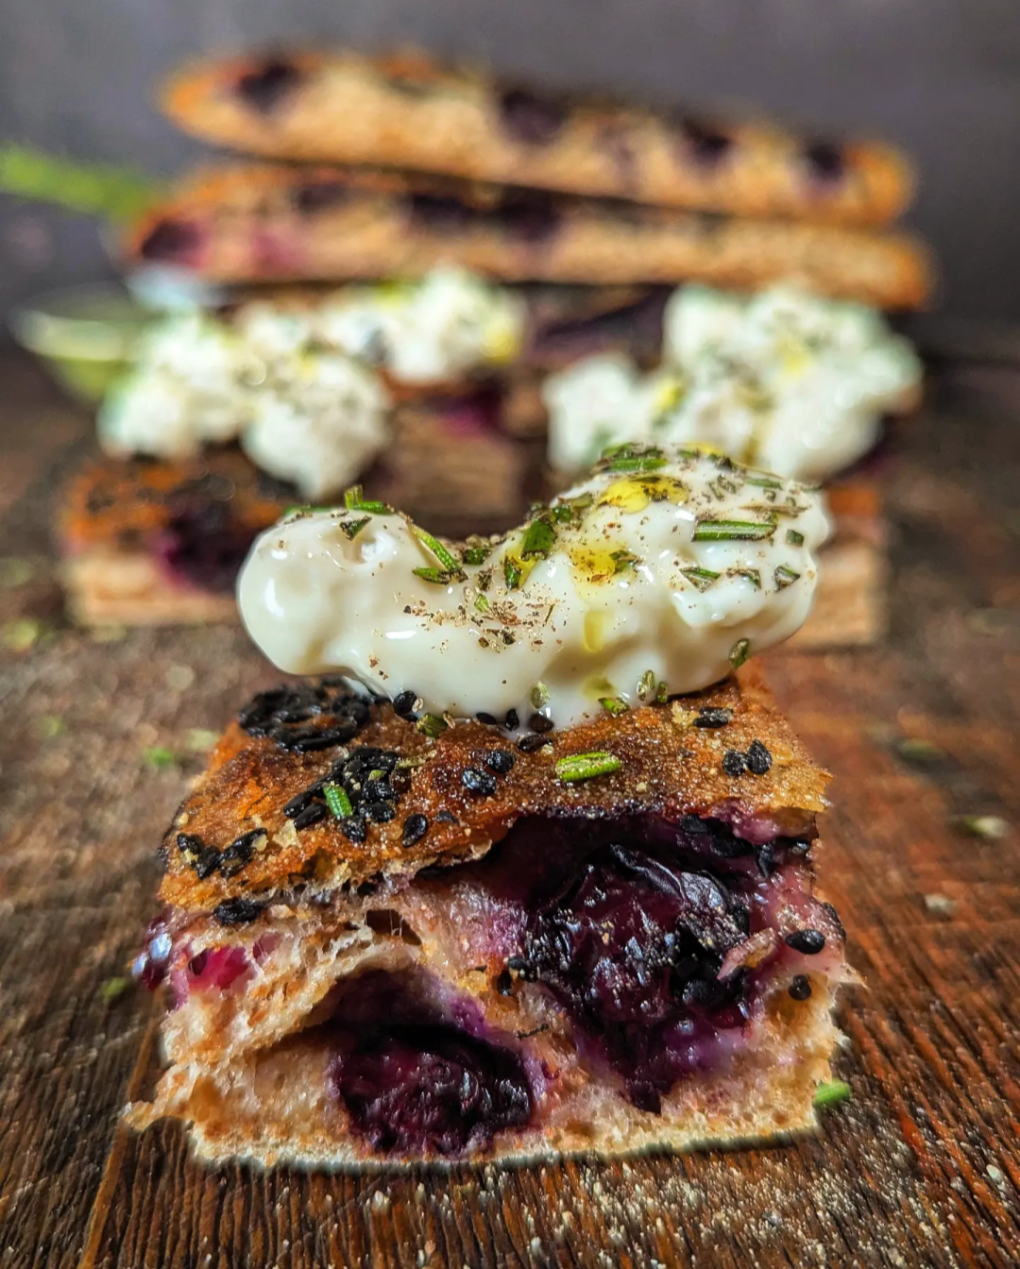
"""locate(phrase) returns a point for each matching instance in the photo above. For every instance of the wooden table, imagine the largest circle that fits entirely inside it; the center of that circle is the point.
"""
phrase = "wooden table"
(922, 1167)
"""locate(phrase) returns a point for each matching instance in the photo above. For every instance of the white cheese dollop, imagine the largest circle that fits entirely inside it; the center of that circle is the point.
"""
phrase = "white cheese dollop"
(319, 421)
(658, 568)
(448, 324)
(787, 380)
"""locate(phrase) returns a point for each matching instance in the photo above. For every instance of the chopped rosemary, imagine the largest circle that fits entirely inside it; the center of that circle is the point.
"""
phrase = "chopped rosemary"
(475, 554)
(354, 500)
(432, 725)
(662, 693)
(583, 766)
(752, 575)
(337, 800)
(568, 509)
(437, 575)
(632, 458)
(538, 539)
(763, 482)
(831, 1093)
(351, 528)
(539, 695)
(732, 531)
(436, 548)
(613, 705)
(298, 508)
(623, 560)
(512, 571)
(700, 577)
(113, 988)
(646, 685)
(481, 603)
(784, 577)
(794, 538)
(739, 653)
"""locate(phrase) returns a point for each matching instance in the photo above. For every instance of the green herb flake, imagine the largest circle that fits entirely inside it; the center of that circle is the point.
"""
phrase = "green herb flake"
(539, 539)
(158, 757)
(436, 548)
(752, 575)
(784, 577)
(794, 538)
(475, 554)
(432, 725)
(732, 531)
(585, 766)
(622, 560)
(355, 500)
(990, 827)
(19, 636)
(482, 604)
(739, 653)
(702, 578)
(512, 571)
(763, 482)
(539, 696)
(662, 693)
(113, 988)
(646, 685)
(49, 726)
(337, 800)
(199, 739)
(613, 705)
(832, 1093)
(435, 575)
(351, 528)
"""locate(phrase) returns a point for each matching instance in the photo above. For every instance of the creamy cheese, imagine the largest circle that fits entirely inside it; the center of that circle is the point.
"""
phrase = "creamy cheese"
(659, 568)
(427, 332)
(791, 382)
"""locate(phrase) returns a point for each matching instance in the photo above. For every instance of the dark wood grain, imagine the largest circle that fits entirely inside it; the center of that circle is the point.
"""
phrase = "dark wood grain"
(921, 1168)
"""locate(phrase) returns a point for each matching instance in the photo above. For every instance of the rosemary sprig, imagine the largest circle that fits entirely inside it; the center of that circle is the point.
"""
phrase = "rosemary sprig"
(432, 725)
(337, 800)
(700, 577)
(763, 482)
(613, 705)
(481, 603)
(446, 561)
(732, 531)
(354, 500)
(739, 653)
(513, 573)
(584, 766)
(646, 685)
(784, 576)
(831, 1093)
(475, 554)
(351, 528)
(538, 539)
(794, 537)
(623, 560)
(752, 575)
(437, 576)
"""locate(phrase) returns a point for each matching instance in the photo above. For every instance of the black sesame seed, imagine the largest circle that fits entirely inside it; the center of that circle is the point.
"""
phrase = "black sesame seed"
(711, 717)
(310, 815)
(528, 744)
(415, 828)
(810, 942)
(799, 988)
(834, 917)
(513, 720)
(825, 162)
(380, 812)
(695, 826)
(354, 828)
(298, 803)
(324, 739)
(479, 782)
(539, 722)
(767, 859)
(734, 763)
(487, 719)
(190, 843)
(403, 704)
(207, 863)
(500, 761)
(400, 781)
(505, 983)
(447, 817)
(523, 967)
(240, 852)
(377, 791)
(237, 911)
(759, 760)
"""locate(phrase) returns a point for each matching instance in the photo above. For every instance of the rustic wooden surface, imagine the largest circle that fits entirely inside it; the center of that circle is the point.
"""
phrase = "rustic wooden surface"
(922, 1167)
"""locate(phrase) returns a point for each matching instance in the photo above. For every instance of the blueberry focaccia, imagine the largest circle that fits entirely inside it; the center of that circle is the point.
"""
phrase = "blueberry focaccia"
(483, 957)
(405, 111)
(266, 223)
(533, 888)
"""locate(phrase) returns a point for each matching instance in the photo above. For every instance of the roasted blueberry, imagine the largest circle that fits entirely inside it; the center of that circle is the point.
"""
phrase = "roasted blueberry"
(264, 87)
(532, 118)
(706, 145)
(171, 241)
(825, 162)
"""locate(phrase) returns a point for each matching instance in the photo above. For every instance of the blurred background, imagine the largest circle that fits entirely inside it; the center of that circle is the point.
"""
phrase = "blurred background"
(939, 77)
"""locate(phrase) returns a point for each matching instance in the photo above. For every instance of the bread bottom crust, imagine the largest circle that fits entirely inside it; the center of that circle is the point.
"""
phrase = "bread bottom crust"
(127, 588)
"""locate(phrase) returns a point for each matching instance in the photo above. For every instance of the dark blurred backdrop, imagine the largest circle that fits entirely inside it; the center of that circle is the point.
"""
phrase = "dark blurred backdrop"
(941, 77)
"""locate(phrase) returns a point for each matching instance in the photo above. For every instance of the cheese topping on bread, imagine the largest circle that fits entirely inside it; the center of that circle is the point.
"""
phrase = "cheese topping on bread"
(654, 575)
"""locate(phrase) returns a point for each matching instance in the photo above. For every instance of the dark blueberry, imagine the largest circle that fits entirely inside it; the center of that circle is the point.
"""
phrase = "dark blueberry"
(500, 761)
(415, 828)
(710, 717)
(310, 815)
(800, 987)
(210, 486)
(237, 911)
(190, 843)
(706, 145)
(447, 817)
(207, 862)
(734, 763)
(615, 140)
(313, 196)
(767, 859)
(380, 812)
(530, 216)
(513, 720)
(834, 916)
(203, 544)
(403, 704)
(539, 722)
(298, 803)
(324, 739)
(479, 782)
(825, 162)
(171, 240)
(354, 828)
(531, 118)
(240, 852)
(505, 983)
(267, 85)
(377, 791)
(487, 719)
(810, 942)
(400, 781)
(429, 1087)
(759, 760)
(528, 744)
(695, 826)
(440, 213)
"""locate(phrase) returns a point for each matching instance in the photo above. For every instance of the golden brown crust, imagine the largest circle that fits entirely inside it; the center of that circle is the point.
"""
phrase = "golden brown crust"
(405, 110)
(669, 767)
(250, 224)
